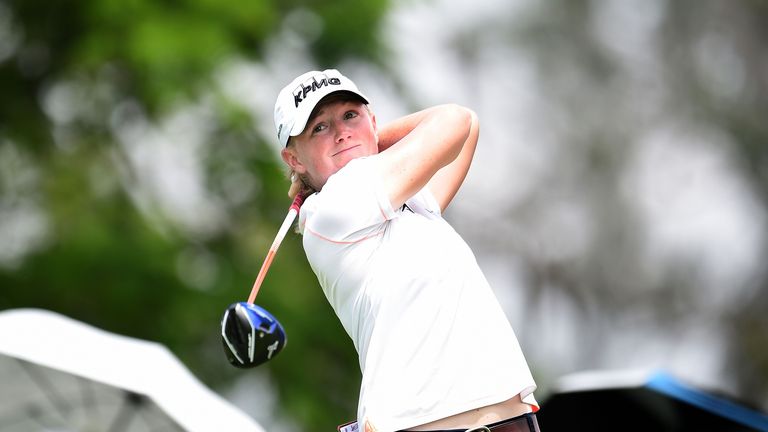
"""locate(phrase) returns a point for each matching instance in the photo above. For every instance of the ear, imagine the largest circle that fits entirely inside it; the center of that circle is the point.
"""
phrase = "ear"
(292, 160)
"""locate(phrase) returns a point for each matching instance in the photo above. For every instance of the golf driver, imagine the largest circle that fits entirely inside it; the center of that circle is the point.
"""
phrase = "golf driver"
(250, 334)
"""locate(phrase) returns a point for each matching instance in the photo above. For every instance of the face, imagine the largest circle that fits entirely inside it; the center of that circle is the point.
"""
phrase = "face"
(338, 132)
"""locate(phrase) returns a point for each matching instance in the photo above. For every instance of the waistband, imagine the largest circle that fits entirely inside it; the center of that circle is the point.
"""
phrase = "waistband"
(524, 423)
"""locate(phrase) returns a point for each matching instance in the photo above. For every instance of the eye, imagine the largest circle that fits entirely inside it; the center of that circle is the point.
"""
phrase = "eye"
(319, 127)
(350, 115)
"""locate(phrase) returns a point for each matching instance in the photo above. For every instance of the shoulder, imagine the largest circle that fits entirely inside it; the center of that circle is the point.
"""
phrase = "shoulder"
(352, 199)
(359, 176)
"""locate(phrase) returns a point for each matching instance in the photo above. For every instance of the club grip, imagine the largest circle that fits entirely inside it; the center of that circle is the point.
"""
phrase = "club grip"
(297, 202)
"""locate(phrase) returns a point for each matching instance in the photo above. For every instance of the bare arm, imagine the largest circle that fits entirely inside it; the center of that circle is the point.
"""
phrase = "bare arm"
(431, 147)
(446, 182)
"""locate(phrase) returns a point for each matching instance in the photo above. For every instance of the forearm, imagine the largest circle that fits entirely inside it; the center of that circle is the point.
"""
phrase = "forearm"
(396, 130)
(447, 181)
(416, 146)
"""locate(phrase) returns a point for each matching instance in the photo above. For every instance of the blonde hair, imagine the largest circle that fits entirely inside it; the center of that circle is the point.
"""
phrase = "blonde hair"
(299, 185)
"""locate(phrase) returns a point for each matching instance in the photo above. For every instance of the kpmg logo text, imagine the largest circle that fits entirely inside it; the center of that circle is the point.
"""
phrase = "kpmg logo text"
(314, 83)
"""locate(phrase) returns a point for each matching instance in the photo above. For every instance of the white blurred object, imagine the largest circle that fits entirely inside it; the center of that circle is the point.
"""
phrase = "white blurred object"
(60, 374)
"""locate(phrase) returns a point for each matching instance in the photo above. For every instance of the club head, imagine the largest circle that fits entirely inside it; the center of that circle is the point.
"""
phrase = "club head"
(250, 335)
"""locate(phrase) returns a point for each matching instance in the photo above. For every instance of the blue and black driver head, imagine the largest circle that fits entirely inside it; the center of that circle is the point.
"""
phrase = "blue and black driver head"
(250, 335)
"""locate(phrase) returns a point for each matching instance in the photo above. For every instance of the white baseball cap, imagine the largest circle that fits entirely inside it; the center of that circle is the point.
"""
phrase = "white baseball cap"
(296, 101)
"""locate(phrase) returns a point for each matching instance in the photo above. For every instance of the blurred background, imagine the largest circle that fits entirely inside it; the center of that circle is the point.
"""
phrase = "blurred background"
(617, 202)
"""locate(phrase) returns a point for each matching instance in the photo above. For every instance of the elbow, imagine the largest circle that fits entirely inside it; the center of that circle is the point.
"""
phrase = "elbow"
(461, 113)
(465, 119)
(450, 128)
(466, 124)
(474, 124)
(475, 121)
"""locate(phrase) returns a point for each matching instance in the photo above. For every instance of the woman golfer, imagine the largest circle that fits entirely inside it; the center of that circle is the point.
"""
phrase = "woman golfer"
(436, 350)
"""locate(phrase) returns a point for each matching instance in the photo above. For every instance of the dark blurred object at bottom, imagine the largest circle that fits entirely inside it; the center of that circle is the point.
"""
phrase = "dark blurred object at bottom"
(628, 401)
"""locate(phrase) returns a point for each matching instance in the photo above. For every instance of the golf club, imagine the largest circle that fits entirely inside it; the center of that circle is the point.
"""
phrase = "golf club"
(250, 334)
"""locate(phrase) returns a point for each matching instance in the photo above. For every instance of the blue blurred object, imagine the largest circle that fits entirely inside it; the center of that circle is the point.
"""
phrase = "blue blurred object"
(642, 401)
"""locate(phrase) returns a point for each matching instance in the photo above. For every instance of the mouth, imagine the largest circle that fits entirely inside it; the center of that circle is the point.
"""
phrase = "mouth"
(346, 149)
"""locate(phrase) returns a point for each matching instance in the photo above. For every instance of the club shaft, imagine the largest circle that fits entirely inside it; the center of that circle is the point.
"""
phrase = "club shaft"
(260, 277)
(294, 210)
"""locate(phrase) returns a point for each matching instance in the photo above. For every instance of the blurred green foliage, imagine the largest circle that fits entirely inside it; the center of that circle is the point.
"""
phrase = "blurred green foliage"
(105, 253)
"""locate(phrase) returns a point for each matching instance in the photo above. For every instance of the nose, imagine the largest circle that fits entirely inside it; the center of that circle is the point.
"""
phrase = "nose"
(342, 131)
